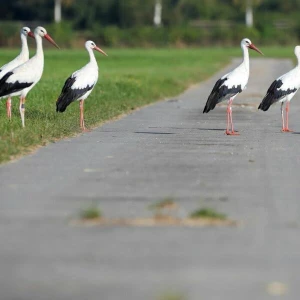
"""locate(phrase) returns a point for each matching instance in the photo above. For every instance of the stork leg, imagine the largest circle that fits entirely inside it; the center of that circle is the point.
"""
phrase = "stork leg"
(287, 108)
(22, 110)
(81, 102)
(282, 117)
(8, 108)
(229, 119)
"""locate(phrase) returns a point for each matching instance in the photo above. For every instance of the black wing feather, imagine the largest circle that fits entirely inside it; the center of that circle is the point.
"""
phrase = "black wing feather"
(274, 94)
(69, 95)
(9, 88)
(218, 94)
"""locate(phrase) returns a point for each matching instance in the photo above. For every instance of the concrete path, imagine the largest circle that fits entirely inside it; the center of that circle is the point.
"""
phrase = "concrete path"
(169, 149)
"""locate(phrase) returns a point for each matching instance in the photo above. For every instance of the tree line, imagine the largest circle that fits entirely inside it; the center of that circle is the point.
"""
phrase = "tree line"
(130, 13)
(130, 23)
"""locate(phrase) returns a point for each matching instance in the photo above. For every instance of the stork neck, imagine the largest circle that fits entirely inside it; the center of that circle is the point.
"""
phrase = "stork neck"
(24, 48)
(246, 58)
(92, 55)
(298, 59)
(39, 47)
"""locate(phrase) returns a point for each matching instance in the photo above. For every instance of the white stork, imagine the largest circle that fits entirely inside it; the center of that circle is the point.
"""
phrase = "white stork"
(20, 59)
(20, 80)
(80, 84)
(283, 90)
(228, 86)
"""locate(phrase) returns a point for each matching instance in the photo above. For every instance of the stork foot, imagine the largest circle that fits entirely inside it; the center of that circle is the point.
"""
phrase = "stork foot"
(286, 130)
(83, 129)
(232, 132)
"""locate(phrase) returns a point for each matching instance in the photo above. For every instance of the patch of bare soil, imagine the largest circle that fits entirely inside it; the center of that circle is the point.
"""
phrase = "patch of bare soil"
(157, 220)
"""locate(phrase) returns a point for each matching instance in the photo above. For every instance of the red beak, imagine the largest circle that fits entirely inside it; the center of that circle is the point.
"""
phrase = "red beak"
(252, 46)
(49, 38)
(100, 50)
(30, 33)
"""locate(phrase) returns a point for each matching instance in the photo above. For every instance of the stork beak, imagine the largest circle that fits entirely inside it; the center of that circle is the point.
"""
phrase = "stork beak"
(252, 46)
(49, 38)
(100, 50)
(30, 33)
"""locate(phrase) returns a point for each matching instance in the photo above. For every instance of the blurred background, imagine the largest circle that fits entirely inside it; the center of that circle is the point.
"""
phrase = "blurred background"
(154, 23)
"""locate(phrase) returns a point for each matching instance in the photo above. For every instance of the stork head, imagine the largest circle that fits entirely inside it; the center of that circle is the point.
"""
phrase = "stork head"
(25, 31)
(42, 32)
(92, 45)
(297, 51)
(247, 43)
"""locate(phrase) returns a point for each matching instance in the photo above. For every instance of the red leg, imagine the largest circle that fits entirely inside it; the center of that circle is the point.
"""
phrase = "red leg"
(228, 120)
(82, 126)
(282, 117)
(8, 108)
(22, 110)
(229, 113)
(232, 130)
(81, 114)
(287, 108)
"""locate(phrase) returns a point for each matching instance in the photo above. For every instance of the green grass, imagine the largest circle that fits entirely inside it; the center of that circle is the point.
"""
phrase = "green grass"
(207, 213)
(89, 213)
(128, 78)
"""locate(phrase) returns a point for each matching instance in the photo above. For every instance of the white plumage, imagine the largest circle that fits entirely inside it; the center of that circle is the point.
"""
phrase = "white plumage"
(20, 59)
(20, 80)
(283, 90)
(80, 84)
(238, 77)
(230, 85)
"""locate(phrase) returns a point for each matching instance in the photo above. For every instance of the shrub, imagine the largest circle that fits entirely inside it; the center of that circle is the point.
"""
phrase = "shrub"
(62, 33)
(207, 34)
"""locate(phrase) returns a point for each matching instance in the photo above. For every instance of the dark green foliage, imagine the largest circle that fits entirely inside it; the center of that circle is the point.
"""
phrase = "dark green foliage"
(130, 22)
(62, 33)
(10, 33)
(227, 34)
(193, 36)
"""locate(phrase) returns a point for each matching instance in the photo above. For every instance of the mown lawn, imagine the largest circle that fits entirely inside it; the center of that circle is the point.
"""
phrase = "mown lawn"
(128, 78)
